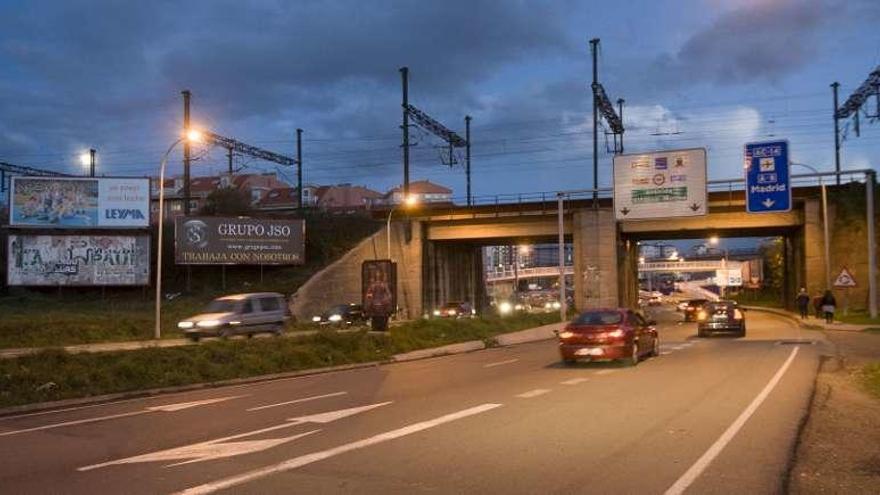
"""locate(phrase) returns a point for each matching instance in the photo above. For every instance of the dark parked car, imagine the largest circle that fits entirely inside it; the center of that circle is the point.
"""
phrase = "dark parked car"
(342, 314)
(604, 334)
(693, 307)
(721, 316)
(455, 310)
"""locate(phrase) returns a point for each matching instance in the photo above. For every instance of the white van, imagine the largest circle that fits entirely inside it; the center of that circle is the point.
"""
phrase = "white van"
(240, 314)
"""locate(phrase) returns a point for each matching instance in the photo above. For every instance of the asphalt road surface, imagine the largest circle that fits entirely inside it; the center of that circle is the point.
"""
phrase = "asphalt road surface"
(716, 415)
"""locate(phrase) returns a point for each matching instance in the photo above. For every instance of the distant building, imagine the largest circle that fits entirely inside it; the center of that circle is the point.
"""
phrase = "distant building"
(345, 197)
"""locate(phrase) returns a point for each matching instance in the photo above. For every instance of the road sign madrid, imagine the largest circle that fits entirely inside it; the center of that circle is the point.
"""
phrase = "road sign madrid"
(845, 279)
(662, 184)
(767, 180)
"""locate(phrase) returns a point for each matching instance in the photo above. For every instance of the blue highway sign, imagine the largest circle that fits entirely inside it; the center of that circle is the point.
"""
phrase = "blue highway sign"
(768, 188)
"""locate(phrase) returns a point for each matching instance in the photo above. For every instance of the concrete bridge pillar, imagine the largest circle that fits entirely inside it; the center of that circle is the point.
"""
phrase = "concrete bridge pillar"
(595, 243)
(407, 250)
(814, 247)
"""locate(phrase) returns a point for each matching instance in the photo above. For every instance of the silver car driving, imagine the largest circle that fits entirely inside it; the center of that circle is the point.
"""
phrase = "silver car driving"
(240, 314)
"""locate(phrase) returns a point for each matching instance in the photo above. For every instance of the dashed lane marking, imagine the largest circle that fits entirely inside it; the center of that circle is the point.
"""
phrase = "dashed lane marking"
(152, 409)
(297, 401)
(304, 460)
(665, 353)
(604, 372)
(533, 393)
(574, 381)
(500, 363)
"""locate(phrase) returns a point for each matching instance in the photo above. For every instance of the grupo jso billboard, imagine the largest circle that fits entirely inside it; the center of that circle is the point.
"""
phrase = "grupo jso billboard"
(74, 202)
(238, 241)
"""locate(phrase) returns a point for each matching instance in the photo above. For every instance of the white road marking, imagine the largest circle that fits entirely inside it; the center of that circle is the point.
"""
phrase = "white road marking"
(152, 409)
(665, 353)
(533, 393)
(222, 447)
(499, 363)
(677, 347)
(74, 422)
(703, 462)
(574, 381)
(304, 460)
(186, 405)
(297, 401)
(604, 372)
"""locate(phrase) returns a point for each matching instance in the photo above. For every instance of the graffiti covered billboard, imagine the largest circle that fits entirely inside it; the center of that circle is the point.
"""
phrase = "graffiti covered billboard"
(78, 260)
(72, 202)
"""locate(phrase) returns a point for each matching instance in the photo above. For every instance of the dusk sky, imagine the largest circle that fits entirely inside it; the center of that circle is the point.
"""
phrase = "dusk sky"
(694, 73)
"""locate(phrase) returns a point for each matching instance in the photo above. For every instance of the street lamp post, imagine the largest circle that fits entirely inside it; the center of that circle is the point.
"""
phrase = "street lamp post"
(192, 136)
(408, 201)
(825, 240)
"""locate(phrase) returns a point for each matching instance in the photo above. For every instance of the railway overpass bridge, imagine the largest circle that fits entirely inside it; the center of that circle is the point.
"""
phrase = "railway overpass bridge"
(438, 246)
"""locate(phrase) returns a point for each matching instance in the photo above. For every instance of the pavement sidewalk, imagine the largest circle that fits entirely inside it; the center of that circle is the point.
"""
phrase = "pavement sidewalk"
(811, 322)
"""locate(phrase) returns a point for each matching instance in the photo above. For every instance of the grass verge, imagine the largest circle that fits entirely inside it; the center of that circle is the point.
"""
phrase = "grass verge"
(56, 374)
(869, 377)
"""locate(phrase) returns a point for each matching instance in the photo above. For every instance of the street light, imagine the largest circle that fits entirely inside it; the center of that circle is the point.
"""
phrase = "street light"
(714, 241)
(88, 160)
(824, 223)
(192, 136)
(408, 202)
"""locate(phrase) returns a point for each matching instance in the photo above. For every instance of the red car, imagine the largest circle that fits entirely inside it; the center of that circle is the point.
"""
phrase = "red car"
(604, 334)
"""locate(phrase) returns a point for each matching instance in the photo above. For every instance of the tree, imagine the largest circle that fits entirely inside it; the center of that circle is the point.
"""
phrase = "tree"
(227, 201)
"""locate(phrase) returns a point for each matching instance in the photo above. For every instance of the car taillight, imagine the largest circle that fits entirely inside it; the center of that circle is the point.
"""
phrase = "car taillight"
(616, 334)
(737, 314)
(702, 315)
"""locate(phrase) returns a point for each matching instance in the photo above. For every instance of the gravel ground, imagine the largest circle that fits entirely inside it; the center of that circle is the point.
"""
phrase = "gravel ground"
(839, 448)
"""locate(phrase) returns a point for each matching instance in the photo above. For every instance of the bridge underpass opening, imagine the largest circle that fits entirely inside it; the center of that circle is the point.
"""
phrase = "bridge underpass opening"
(523, 272)
(756, 270)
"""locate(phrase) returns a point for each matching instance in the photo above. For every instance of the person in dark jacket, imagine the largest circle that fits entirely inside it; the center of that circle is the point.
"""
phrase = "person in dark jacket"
(803, 303)
(829, 304)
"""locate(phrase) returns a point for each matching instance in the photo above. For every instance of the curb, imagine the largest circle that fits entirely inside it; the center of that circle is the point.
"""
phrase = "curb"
(446, 350)
(801, 323)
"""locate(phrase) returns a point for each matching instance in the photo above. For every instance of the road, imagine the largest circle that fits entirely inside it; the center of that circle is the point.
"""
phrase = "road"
(716, 415)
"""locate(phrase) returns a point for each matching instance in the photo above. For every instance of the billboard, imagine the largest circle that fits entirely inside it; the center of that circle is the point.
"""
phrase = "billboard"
(379, 288)
(238, 241)
(73, 202)
(78, 260)
(662, 184)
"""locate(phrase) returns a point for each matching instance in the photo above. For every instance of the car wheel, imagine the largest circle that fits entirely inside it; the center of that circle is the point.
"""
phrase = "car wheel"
(278, 331)
(701, 333)
(633, 359)
(655, 349)
(194, 338)
(742, 332)
(223, 334)
(569, 362)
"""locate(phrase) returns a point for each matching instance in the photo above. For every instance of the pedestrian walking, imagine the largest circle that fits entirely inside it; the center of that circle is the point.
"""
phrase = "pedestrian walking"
(829, 304)
(803, 303)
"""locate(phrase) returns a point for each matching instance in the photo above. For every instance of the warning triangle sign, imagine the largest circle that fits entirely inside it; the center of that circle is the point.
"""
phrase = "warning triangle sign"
(845, 279)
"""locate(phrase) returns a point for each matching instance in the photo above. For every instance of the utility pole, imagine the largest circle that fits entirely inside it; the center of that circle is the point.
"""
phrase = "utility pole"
(404, 76)
(92, 162)
(620, 102)
(299, 167)
(834, 87)
(467, 156)
(187, 157)
(594, 49)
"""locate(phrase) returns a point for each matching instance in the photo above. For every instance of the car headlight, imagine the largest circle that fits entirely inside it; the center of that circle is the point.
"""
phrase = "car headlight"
(518, 307)
(335, 318)
(566, 335)
(316, 319)
(505, 308)
(436, 312)
(702, 315)
(557, 305)
(183, 325)
(452, 312)
(737, 314)
(547, 305)
(208, 323)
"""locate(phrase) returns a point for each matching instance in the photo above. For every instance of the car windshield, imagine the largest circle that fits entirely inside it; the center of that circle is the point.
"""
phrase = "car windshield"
(599, 318)
(221, 306)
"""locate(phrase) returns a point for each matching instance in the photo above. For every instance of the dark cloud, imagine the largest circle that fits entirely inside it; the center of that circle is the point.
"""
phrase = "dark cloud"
(759, 42)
